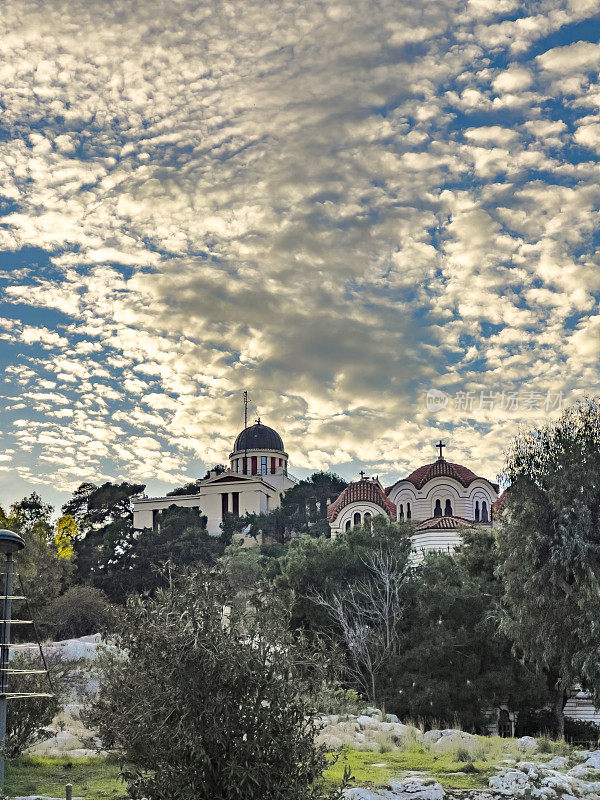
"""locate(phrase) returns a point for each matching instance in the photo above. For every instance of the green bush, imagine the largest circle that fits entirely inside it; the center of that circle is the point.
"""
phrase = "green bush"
(205, 700)
(81, 610)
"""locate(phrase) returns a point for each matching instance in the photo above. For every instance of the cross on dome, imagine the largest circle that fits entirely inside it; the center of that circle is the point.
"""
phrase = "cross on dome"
(440, 445)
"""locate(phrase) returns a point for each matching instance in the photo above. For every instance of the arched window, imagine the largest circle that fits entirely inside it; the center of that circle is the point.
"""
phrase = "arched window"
(367, 517)
(476, 510)
(408, 513)
(357, 518)
(448, 509)
(437, 511)
(484, 511)
(347, 525)
(401, 512)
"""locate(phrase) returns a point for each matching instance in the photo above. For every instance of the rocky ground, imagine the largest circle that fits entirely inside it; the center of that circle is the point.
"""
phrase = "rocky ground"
(522, 770)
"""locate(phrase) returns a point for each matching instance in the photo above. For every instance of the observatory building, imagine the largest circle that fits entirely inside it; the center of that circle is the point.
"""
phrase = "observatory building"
(254, 483)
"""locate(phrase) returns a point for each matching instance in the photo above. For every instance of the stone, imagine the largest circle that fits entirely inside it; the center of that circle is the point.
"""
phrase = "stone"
(367, 722)
(527, 743)
(430, 737)
(509, 782)
(408, 789)
(452, 740)
(415, 789)
(558, 762)
(391, 718)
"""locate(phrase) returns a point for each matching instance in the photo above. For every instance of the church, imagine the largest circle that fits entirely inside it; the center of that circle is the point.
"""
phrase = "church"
(442, 499)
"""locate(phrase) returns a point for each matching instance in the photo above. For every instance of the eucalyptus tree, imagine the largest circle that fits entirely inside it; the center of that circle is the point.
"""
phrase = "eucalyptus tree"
(549, 546)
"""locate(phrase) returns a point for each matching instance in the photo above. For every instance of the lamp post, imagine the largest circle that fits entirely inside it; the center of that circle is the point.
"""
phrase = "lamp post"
(10, 543)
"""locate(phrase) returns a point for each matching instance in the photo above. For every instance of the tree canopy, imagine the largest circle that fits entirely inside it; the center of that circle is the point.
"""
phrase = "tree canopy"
(549, 543)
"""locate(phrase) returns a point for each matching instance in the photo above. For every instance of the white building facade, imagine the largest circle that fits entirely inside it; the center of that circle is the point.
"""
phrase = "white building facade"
(254, 483)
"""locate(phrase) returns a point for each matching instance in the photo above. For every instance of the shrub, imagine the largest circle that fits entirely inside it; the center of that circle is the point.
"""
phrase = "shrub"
(544, 745)
(206, 703)
(463, 755)
(81, 610)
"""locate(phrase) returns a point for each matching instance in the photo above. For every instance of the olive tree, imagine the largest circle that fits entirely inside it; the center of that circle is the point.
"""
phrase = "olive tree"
(207, 699)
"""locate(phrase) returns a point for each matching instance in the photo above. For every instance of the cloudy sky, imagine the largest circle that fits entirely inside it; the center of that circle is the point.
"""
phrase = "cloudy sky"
(339, 206)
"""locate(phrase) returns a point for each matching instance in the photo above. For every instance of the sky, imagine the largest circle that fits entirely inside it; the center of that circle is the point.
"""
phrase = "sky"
(380, 218)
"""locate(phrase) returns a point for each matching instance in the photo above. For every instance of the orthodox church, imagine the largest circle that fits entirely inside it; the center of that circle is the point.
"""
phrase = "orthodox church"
(442, 499)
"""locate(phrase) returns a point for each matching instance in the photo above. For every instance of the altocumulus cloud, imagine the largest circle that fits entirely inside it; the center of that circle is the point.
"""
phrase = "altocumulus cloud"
(334, 205)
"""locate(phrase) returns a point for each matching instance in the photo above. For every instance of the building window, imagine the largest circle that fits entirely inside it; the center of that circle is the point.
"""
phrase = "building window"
(285, 468)
(357, 518)
(401, 512)
(281, 462)
(245, 465)
(476, 510)
(408, 512)
(273, 466)
(254, 464)
(448, 509)
(347, 527)
(263, 465)
(437, 511)
(224, 504)
(235, 496)
(484, 511)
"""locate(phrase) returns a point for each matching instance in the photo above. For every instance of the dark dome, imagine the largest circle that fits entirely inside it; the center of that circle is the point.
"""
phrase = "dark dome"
(258, 437)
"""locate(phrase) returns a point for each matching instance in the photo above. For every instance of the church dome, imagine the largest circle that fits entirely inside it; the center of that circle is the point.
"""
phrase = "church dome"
(258, 437)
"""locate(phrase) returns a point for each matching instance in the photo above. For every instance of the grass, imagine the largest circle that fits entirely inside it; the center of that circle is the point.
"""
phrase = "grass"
(98, 778)
(92, 778)
(442, 767)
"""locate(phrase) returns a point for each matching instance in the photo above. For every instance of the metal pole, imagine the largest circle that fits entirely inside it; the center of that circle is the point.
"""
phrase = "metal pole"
(8, 590)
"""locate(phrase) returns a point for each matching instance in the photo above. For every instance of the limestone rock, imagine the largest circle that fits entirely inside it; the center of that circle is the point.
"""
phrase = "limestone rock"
(558, 762)
(410, 789)
(527, 744)
(509, 782)
(430, 737)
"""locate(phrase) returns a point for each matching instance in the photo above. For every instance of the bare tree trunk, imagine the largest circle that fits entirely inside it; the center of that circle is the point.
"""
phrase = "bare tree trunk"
(560, 700)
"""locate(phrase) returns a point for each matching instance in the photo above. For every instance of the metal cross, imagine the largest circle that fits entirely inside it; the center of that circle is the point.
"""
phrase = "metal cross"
(441, 445)
(362, 474)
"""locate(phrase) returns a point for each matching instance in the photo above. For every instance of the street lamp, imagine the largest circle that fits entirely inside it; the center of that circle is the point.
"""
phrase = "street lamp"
(10, 543)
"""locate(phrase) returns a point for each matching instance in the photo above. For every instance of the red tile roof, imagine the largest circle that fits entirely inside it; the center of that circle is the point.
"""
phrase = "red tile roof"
(444, 469)
(364, 490)
(444, 523)
(500, 503)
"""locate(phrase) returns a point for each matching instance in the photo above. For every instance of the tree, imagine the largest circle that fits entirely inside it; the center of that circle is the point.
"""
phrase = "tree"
(181, 538)
(205, 700)
(321, 566)
(41, 556)
(104, 518)
(367, 615)
(549, 542)
(303, 509)
(454, 664)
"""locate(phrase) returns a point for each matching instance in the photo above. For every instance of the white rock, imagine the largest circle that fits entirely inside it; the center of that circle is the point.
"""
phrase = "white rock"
(391, 718)
(593, 760)
(452, 740)
(508, 782)
(415, 789)
(367, 722)
(527, 743)
(429, 737)
(558, 762)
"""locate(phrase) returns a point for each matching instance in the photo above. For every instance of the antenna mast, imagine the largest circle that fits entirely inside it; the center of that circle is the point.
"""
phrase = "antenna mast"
(245, 426)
